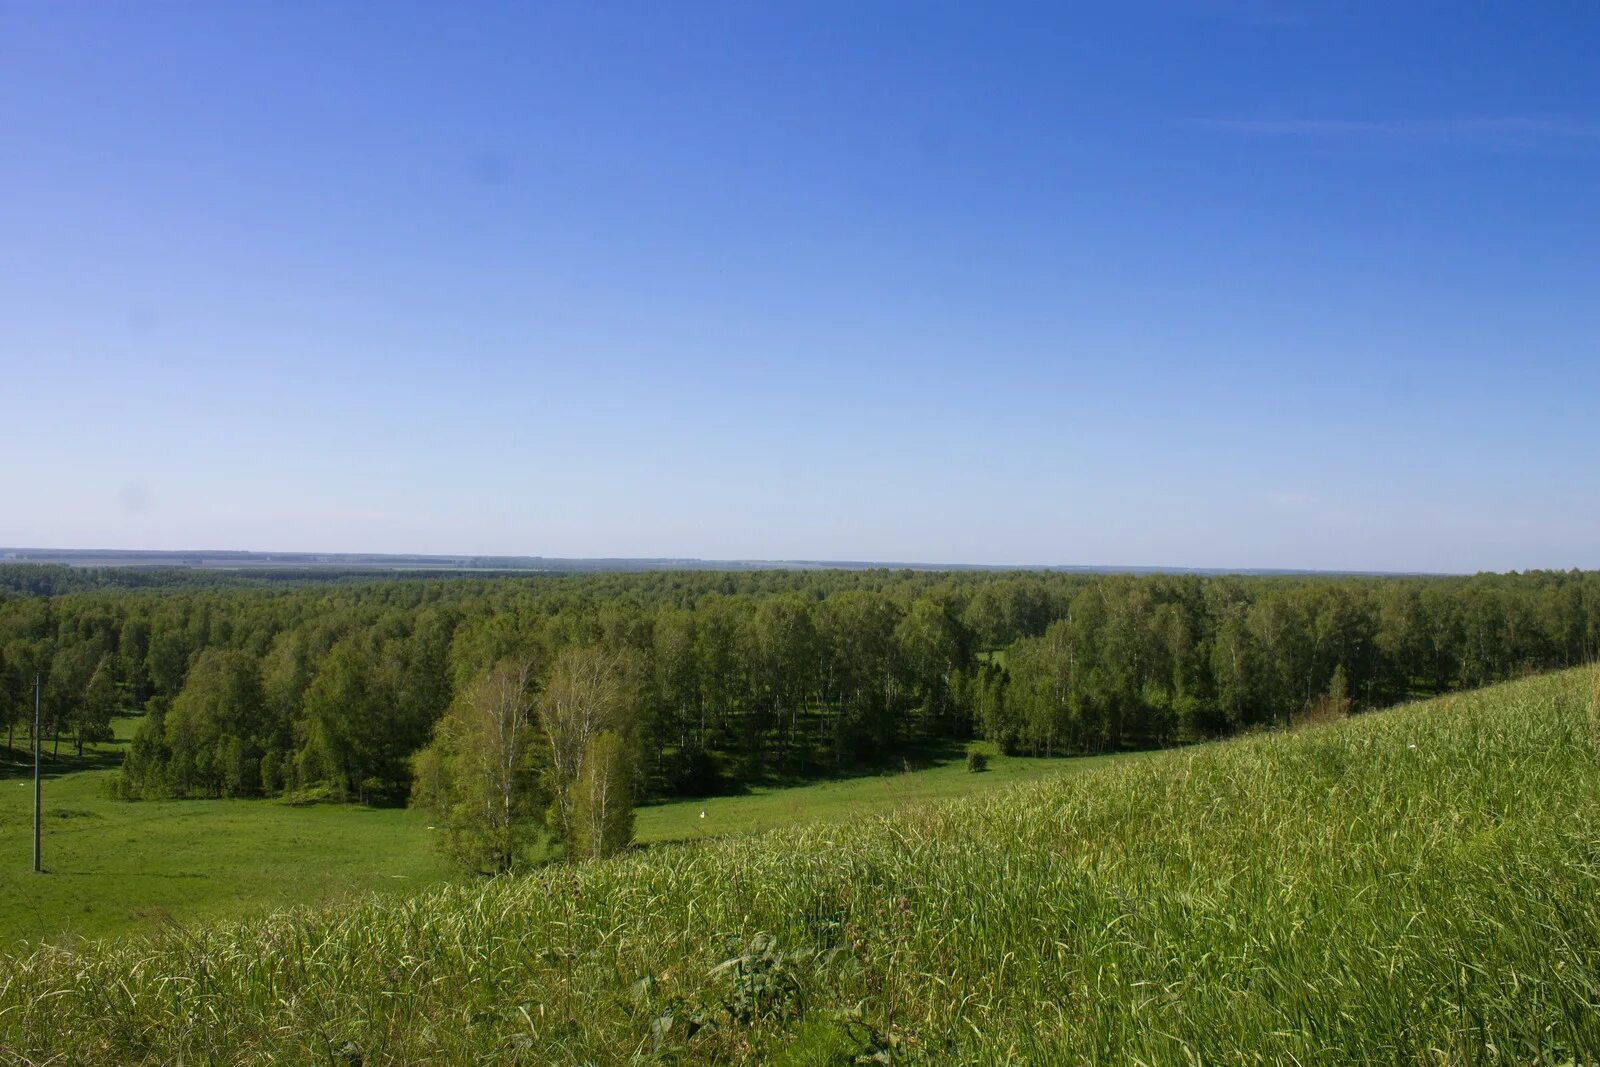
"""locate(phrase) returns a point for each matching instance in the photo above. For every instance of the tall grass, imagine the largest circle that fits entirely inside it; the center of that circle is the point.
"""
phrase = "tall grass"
(1416, 886)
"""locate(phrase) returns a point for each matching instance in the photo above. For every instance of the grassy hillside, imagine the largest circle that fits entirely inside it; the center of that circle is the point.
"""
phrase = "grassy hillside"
(848, 798)
(1416, 886)
(117, 868)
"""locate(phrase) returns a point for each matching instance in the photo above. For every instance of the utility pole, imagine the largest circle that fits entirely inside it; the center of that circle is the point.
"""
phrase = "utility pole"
(37, 858)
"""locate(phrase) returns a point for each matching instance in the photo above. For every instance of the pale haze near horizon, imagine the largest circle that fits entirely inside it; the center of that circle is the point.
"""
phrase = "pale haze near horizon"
(1191, 284)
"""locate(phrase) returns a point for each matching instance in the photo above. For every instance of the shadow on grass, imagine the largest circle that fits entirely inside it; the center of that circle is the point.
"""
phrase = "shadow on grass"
(16, 757)
(18, 762)
(920, 756)
(127, 875)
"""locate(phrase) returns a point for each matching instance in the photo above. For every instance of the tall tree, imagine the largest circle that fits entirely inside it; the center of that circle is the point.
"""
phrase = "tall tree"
(602, 798)
(91, 718)
(590, 691)
(479, 774)
(932, 646)
(213, 727)
(71, 667)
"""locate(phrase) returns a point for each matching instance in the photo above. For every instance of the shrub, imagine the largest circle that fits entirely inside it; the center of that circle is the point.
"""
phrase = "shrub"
(823, 1042)
(1330, 706)
(977, 760)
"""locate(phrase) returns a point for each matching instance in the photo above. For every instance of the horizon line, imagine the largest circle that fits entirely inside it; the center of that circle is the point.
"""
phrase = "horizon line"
(195, 559)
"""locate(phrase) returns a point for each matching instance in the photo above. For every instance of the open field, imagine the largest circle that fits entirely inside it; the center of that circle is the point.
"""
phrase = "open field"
(847, 798)
(1414, 886)
(117, 867)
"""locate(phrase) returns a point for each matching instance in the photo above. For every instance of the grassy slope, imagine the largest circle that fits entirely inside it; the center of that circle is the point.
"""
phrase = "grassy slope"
(1418, 886)
(768, 809)
(116, 868)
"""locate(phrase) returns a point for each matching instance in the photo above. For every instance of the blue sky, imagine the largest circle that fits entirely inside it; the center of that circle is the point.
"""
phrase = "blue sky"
(1199, 283)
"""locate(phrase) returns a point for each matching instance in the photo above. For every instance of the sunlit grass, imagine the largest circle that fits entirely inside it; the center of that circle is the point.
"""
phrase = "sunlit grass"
(847, 798)
(1415, 886)
(117, 867)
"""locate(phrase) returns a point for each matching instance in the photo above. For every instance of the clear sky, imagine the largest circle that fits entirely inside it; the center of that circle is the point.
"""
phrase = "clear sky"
(1208, 283)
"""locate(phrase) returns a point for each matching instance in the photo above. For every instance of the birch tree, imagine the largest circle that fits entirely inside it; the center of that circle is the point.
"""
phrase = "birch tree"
(479, 773)
(602, 798)
(589, 692)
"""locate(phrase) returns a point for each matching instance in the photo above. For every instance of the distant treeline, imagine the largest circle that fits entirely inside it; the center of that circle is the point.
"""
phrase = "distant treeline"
(55, 579)
(738, 677)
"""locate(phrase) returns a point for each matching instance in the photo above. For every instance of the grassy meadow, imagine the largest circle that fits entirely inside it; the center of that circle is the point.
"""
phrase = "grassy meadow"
(115, 867)
(1414, 886)
(761, 809)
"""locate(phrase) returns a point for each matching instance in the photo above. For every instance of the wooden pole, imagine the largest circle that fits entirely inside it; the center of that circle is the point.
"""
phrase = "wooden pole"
(37, 857)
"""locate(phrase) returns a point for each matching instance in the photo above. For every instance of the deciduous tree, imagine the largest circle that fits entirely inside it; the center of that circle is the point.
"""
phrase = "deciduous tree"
(589, 692)
(602, 798)
(480, 776)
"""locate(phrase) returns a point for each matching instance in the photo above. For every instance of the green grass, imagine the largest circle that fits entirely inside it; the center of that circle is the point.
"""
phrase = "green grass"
(1417, 886)
(847, 798)
(115, 868)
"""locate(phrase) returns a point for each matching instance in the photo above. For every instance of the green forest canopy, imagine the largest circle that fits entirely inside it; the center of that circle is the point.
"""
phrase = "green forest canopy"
(330, 687)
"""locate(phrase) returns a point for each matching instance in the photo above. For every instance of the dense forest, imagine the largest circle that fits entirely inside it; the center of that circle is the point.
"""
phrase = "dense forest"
(329, 689)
